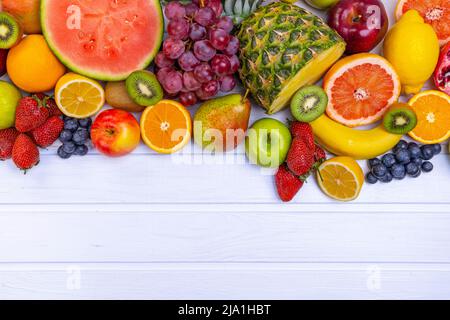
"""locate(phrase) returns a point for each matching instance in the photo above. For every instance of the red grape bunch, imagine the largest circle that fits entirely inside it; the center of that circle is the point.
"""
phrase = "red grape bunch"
(198, 58)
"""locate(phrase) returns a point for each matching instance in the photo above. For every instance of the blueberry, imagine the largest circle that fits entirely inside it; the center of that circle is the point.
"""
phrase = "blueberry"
(414, 150)
(398, 171)
(71, 124)
(419, 172)
(427, 166)
(402, 156)
(379, 171)
(386, 178)
(373, 162)
(81, 150)
(85, 123)
(62, 154)
(388, 160)
(401, 145)
(81, 136)
(437, 148)
(412, 168)
(66, 135)
(69, 147)
(427, 152)
(371, 179)
(417, 161)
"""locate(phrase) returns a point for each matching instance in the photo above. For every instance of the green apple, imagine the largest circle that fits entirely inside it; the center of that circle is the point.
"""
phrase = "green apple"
(267, 143)
(9, 98)
(322, 4)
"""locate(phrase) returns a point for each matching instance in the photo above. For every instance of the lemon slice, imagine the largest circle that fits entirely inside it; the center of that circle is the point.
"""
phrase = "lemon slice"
(79, 97)
(341, 178)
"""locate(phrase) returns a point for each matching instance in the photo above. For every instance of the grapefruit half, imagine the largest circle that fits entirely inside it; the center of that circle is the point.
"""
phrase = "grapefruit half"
(434, 12)
(103, 39)
(360, 89)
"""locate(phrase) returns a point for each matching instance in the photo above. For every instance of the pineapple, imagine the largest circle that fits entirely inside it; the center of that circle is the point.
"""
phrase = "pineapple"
(283, 48)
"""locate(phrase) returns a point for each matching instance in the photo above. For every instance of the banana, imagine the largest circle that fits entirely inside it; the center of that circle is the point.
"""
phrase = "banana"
(358, 144)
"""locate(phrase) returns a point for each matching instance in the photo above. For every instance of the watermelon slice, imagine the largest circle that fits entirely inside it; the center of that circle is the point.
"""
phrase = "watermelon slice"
(103, 39)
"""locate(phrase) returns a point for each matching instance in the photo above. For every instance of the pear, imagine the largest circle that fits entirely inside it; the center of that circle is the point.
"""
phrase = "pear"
(220, 124)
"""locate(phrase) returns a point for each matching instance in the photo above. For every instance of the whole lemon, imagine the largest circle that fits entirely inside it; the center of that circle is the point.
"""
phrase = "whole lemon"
(32, 66)
(412, 47)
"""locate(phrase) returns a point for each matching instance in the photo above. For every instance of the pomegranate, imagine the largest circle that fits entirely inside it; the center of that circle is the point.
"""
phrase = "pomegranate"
(442, 72)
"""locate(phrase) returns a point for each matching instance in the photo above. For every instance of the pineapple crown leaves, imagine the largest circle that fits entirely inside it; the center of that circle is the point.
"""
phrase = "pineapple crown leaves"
(240, 9)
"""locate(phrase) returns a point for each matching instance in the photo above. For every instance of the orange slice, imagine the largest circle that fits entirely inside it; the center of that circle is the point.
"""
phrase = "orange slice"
(435, 12)
(166, 127)
(360, 89)
(341, 178)
(433, 117)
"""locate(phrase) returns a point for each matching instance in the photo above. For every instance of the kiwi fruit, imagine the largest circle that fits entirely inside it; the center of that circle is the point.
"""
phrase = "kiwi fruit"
(10, 31)
(143, 88)
(309, 103)
(400, 119)
(116, 95)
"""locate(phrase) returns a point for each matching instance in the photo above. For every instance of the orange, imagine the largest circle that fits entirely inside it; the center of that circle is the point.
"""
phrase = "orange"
(360, 89)
(32, 66)
(341, 178)
(435, 12)
(433, 117)
(166, 127)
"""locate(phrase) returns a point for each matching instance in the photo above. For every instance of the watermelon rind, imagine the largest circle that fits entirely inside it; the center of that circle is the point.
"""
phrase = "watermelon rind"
(95, 75)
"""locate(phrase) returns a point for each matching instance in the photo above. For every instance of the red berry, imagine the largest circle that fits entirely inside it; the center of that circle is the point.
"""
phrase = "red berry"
(31, 113)
(300, 158)
(48, 133)
(287, 183)
(303, 130)
(25, 153)
(7, 139)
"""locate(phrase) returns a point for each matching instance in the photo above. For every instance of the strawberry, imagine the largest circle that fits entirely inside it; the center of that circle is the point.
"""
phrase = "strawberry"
(300, 158)
(48, 133)
(287, 183)
(31, 113)
(7, 139)
(25, 153)
(303, 130)
(319, 154)
(50, 103)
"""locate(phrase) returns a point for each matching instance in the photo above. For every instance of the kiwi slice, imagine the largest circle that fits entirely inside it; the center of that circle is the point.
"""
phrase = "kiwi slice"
(309, 103)
(400, 119)
(10, 31)
(143, 88)
(117, 96)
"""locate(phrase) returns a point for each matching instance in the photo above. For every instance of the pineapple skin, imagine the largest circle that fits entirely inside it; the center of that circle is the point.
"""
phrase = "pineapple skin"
(278, 42)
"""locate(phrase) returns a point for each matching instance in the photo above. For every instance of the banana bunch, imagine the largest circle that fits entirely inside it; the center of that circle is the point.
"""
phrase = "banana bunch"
(358, 144)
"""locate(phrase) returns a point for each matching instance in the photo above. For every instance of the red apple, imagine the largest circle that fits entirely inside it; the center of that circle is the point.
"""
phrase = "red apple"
(3, 55)
(362, 23)
(115, 133)
(442, 73)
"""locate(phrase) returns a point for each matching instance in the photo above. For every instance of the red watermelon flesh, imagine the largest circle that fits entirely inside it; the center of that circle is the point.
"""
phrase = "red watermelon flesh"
(103, 39)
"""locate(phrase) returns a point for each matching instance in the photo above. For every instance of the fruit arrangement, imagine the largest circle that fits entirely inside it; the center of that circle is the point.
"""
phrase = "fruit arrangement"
(67, 63)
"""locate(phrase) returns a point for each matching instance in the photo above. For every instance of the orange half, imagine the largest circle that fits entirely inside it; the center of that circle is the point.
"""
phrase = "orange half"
(166, 127)
(434, 12)
(433, 117)
(360, 89)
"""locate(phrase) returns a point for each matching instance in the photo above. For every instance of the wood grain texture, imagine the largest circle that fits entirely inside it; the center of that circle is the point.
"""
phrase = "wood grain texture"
(196, 226)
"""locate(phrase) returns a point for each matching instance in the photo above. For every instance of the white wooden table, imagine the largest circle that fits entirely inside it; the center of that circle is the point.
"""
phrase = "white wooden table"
(155, 226)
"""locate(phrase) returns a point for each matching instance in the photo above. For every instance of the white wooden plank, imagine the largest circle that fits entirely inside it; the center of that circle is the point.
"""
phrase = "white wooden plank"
(225, 237)
(143, 179)
(225, 281)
